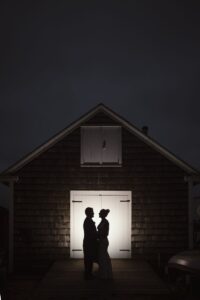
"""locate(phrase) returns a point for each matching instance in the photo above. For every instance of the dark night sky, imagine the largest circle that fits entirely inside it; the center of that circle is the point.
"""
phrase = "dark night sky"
(61, 58)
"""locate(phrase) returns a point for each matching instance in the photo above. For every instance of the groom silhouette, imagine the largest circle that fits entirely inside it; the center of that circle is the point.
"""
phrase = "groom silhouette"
(89, 242)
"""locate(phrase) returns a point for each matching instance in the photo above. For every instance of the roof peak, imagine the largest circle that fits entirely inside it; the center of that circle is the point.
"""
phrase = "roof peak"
(101, 107)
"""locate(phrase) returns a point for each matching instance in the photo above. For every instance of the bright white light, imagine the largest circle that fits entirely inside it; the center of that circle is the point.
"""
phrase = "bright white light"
(119, 203)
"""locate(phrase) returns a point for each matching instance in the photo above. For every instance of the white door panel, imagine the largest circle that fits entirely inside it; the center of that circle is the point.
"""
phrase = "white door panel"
(78, 206)
(120, 234)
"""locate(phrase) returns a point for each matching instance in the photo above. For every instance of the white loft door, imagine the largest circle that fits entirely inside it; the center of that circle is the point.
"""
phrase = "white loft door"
(119, 203)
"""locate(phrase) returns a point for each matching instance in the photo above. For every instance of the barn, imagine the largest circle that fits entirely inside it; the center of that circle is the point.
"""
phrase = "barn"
(103, 161)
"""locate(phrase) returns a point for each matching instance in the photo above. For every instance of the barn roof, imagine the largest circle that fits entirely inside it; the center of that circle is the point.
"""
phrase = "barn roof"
(102, 108)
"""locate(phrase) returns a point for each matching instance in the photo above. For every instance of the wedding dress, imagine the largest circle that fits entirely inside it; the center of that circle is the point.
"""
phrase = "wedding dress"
(105, 266)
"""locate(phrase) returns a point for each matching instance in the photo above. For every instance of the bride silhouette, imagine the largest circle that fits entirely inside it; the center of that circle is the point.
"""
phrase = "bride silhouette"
(105, 267)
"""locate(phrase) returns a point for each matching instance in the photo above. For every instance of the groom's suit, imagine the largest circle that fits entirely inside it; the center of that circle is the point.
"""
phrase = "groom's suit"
(89, 245)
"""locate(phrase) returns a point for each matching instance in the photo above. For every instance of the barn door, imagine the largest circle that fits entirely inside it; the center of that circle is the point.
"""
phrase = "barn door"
(79, 202)
(120, 224)
(119, 203)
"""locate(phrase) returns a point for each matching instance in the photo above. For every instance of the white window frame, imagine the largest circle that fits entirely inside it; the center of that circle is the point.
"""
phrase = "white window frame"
(102, 129)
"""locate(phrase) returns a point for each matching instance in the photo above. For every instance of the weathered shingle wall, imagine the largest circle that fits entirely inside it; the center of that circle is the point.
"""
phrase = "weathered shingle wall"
(159, 196)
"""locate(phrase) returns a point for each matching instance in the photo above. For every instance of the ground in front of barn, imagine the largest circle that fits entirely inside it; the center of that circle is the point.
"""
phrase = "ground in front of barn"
(64, 280)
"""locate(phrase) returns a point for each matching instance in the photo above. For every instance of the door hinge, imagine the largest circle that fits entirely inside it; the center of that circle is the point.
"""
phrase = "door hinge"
(77, 250)
(124, 200)
(76, 201)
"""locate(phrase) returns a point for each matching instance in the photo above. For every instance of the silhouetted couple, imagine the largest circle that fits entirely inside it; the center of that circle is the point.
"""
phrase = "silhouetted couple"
(95, 245)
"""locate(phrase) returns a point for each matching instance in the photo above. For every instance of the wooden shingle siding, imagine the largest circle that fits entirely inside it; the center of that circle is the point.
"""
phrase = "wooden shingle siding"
(42, 197)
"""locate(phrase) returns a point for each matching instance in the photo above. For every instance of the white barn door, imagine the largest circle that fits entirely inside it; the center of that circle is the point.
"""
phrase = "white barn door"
(119, 203)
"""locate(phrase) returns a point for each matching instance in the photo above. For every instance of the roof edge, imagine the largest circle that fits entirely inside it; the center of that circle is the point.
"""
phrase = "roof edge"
(52, 141)
(8, 178)
(100, 107)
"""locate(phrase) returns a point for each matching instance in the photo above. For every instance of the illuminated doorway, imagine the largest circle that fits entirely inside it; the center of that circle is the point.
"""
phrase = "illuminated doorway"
(119, 203)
